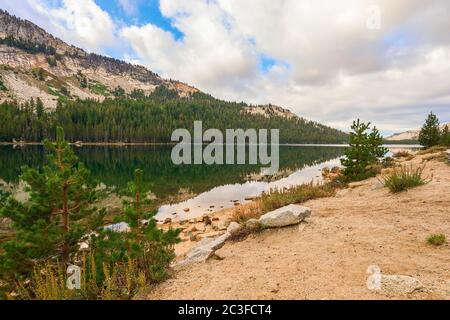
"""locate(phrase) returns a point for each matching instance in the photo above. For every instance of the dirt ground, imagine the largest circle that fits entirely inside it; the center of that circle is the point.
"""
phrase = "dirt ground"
(327, 256)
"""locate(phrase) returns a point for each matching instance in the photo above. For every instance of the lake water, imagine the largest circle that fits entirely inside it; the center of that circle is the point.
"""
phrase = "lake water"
(208, 187)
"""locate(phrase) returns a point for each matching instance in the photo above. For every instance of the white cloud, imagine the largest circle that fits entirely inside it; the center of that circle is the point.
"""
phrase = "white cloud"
(78, 22)
(209, 52)
(129, 6)
(328, 66)
(337, 68)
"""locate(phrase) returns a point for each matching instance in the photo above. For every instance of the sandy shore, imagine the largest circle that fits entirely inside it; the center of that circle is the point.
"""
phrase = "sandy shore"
(327, 257)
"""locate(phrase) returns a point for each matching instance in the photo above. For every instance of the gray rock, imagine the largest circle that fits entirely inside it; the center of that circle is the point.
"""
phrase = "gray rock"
(377, 185)
(118, 227)
(205, 249)
(389, 284)
(252, 224)
(399, 284)
(233, 228)
(285, 216)
(20, 194)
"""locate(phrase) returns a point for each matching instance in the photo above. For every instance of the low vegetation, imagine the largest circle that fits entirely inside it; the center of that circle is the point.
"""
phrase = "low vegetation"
(243, 213)
(59, 217)
(403, 178)
(402, 154)
(2, 85)
(434, 149)
(436, 239)
(277, 198)
(27, 45)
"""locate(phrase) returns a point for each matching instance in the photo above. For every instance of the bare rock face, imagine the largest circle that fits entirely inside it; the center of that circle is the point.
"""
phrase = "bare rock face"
(29, 47)
(285, 216)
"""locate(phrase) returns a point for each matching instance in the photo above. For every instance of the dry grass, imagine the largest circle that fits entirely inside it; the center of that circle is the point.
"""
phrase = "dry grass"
(441, 156)
(48, 282)
(434, 149)
(402, 154)
(243, 213)
(278, 198)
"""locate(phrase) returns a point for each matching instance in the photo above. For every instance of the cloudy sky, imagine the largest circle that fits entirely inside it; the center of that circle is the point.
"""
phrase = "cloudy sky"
(332, 61)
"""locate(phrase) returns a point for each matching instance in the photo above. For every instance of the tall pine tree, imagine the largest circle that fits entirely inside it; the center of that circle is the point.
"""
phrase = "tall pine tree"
(59, 212)
(430, 134)
(445, 136)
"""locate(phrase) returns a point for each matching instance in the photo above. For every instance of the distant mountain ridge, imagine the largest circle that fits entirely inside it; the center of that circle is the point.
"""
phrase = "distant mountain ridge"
(36, 66)
(410, 134)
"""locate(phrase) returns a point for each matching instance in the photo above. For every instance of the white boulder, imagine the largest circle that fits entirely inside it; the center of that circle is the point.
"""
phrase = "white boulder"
(233, 228)
(205, 249)
(399, 284)
(285, 216)
(119, 227)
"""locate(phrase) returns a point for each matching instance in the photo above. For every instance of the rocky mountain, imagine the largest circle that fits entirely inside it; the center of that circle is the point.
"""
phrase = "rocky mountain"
(33, 63)
(409, 135)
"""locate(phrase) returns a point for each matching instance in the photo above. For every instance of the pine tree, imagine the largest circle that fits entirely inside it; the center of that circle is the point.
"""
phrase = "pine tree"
(148, 246)
(59, 212)
(430, 134)
(39, 107)
(364, 151)
(445, 136)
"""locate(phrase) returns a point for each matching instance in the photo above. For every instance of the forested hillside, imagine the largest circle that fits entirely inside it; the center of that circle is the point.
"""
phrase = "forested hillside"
(148, 119)
(45, 82)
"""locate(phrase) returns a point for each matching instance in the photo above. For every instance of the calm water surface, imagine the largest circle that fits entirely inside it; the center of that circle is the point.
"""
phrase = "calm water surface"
(209, 187)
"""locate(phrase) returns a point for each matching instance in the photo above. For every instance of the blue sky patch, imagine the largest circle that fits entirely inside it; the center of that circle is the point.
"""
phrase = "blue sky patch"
(267, 62)
(141, 12)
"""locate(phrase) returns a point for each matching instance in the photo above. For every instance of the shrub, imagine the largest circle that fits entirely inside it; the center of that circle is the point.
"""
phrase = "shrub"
(389, 162)
(436, 239)
(51, 61)
(64, 91)
(403, 178)
(2, 85)
(277, 198)
(48, 282)
(401, 154)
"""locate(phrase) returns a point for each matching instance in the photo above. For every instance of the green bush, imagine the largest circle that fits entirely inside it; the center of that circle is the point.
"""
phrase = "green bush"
(436, 239)
(404, 178)
(2, 85)
(51, 61)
